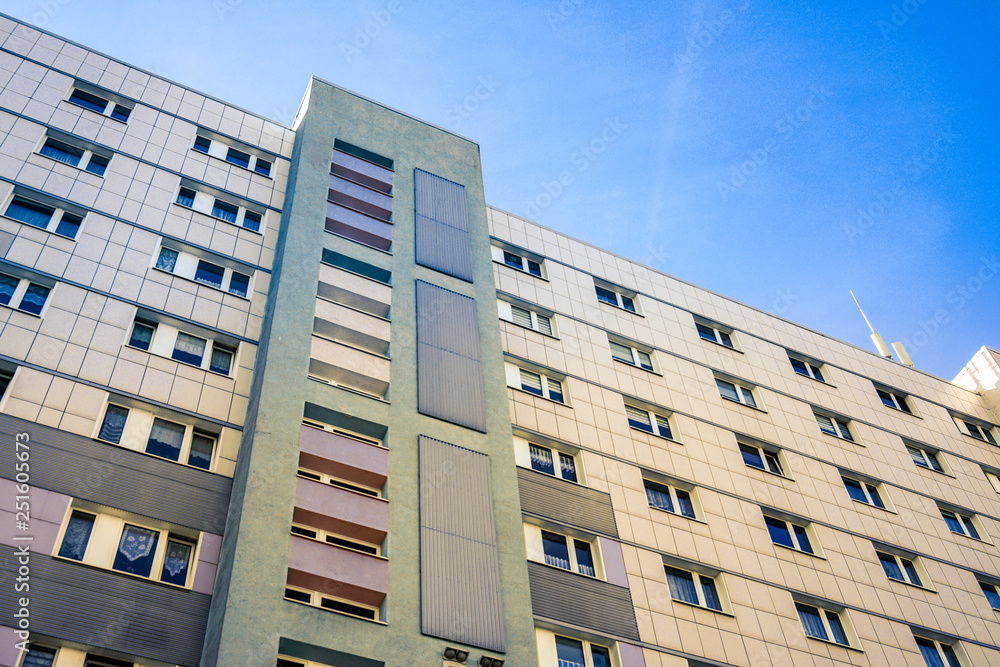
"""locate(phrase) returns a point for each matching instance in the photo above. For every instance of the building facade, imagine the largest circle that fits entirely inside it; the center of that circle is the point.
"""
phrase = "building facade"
(299, 397)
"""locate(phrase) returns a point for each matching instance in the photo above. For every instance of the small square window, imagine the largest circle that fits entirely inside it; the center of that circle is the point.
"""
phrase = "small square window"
(736, 392)
(669, 499)
(225, 211)
(209, 274)
(894, 400)
(251, 221)
(185, 197)
(714, 334)
(98, 164)
(239, 284)
(788, 534)
(822, 624)
(142, 335)
(683, 587)
(991, 593)
(39, 656)
(69, 225)
(238, 158)
(758, 457)
(534, 268)
(202, 144)
(925, 458)
(834, 426)
(262, 167)
(568, 553)
(121, 113)
(34, 298)
(176, 562)
(937, 654)
(613, 298)
(899, 568)
(8, 285)
(189, 349)
(806, 368)
(960, 524)
(546, 461)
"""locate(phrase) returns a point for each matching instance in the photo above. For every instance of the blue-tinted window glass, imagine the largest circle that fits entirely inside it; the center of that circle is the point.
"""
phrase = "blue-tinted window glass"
(929, 653)
(990, 591)
(836, 628)
(251, 221)
(185, 197)
(684, 503)
(189, 349)
(238, 157)
(681, 585)
(752, 457)
(142, 335)
(803, 538)
(727, 390)
(953, 523)
(855, 491)
(659, 497)
(121, 113)
(30, 212)
(779, 532)
(98, 164)
(34, 299)
(876, 498)
(627, 303)
(77, 535)
(541, 460)
(57, 150)
(555, 549)
(227, 212)
(569, 652)
(706, 332)
(202, 447)
(69, 225)
(239, 284)
(811, 621)
(709, 592)
(8, 285)
(167, 260)
(911, 572)
(209, 273)
(165, 439)
(584, 561)
(176, 562)
(221, 360)
(113, 424)
(262, 167)
(202, 144)
(568, 467)
(890, 567)
(88, 101)
(136, 550)
(39, 656)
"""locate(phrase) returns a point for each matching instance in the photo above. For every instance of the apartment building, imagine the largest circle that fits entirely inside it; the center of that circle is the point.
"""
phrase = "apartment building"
(298, 397)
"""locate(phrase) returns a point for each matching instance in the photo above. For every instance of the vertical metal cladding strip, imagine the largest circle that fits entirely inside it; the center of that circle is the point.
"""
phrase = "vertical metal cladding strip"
(449, 371)
(460, 594)
(442, 225)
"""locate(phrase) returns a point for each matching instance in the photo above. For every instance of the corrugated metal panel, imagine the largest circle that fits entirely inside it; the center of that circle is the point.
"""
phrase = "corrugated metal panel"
(119, 477)
(460, 593)
(113, 611)
(575, 599)
(449, 372)
(574, 505)
(442, 225)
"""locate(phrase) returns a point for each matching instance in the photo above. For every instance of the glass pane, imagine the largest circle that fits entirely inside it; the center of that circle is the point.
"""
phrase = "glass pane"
(811, 621)
(663, 426)
(876, 498)
(510, 259)
(816, 373)
(175, 563)
(57, 150)
(681, 585)
(569, 652)
(8, 285)
(98, 165)
(39, 656)
(911, 572)
(189, 349)
(568, 467)
(751, 456)
(644, 360)
(606, 296)
(555, 550)
(684, 503)
(890, 567)
(855, 491)
(30, 212)
(621, 352)
(706, 332)
(555, 390)
(142, 336)
(34, 299)
(710, 594)
(209, 273)
(222, 360)
(584, 561)
(534, 268)
(659, 497)
(262, 167)
(239, 284)
(779, 532)
(113, 424)
(950, 656)
(929, 652)
(251, 221)
(531, 382)
(989, 436)
(185, 197)
(803, 537)
(74, 543)
(165, 439)
(600, 656)
(726, 340)
(202, 144)
(990, 591)
(917, 456)
(638, 419)
(201, 451)
(953, 523)
(727, 390)
(836, 627)
(544, 325)
(86, 100)
(935, 463)
(973, 429)
(69, 225)
(886, 398)
(167, 259)
(521, 316)
(903, 405)
(541, 459)
(225, 211)
(799, 367)
(627, 303)
(825, 424)
(845, 432)
(773, 464)
(238, 157)
(136, 550)
(121, 113)
(748, 397)
(970, 527)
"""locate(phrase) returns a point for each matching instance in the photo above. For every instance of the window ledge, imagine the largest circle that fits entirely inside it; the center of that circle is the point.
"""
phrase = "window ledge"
(562, 569)
(339, 613)
(904, 412)
(52, 232)
(233, 164)
(875, 507)
(106, 117)
(969, 537)
(733, 400)
(683, 516)
(769, 472)
(809, 377)
(626, 310)
(198, 282)
(936, 472)
(656, 435)
(833, 643)
(544, 398)
(906, 583)
(561, 479)
(72, 166)
(161, 458)
(698, 606)
(514, 268)
(722, 345)
(799, 551)
(641, 368)
(843, 439)
(23, 312)
(215, 217)
(530, 329)
(985, 442)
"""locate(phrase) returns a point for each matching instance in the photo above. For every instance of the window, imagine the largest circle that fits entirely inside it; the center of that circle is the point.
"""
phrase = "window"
(30, 297)
(552, 463)
(339, 483)
(643, 420)
(979, 431)
(994, 479)
(834, 426)
(316, 599)
(807, 368)
(252, 220)
(863, 492)
(239, 158)
(143, 551)
(525, 317)
(937, 654)
(692, 588)
(189, 349)
(522, 264)
(568, 553)
(925, 458)
(262, 167)
(788, 534)
(221, 360)
(715, 333)
(540, 385)
(669, 499)
(220, 209)
(225, 211)
(165, 439)
(736, 392)
(822, 624)
(185, 197)
(573, 653)
(43, 216)
(615, 298)
(992, 594)
(202, 144)
(98, 164)
(631, 355)
(336, 540)
(100, 661)
(899, 568)
(97, 104)
(762, 459)
(75, 156)
(893, 399)
(142, 335)
(203, 271)
(960, 524)
(165, 340)
(39, 656)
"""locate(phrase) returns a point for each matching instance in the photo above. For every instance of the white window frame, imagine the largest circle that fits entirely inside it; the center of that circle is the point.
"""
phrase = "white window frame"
(588, 649)
(656, 420)
(574, 565)
(894, 399)
(86, 157)
(21, 290)
(505, 309)
(557, 456)
(316, 600)
(112, 102)
(867, 485)
(964, 519)
(188, 269)
(993, 478)
(955, 647)
(914, 562)
(813, 368)
(927, 455)
(743, 390)
(720, 333)
(696, 576)
(634, 354)
(505, 255)
(219, 148)
(824, 614)
(672, 490)
(204, 202)
(766, 455)
(814, 548)
(105, 536)
(59, 211)
(515, 380)
(163, 342)
(623, 297)
(976, 428)
(840, 424)
(138, 434)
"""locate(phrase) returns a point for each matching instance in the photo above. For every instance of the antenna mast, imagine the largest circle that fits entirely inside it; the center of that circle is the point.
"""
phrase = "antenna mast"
(880, 345)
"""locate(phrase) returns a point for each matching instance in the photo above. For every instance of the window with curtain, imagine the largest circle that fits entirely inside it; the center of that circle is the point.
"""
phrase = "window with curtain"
(175, 563)
(202, 447)
(114, 424)
(77, 535)
(681, 585)
(189, 349)
(556, 550)
(167, 260)
(136, 550)
(541, 459)
(62, 152)
(30, 212)
(221, 361)
(166, 439)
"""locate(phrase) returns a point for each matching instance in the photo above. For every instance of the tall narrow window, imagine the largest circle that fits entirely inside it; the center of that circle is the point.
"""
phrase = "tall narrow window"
(114, 424)
(136, 550)
(77, 535)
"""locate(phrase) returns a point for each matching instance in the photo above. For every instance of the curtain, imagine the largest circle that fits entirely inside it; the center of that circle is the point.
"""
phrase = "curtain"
(638, 418)
(225, 211)
(201, 451)
(167, 260)
(681, 585)
(77, 535)
(114, 424)
(189, 349)
(30, 212)
(531, 382)
(568, 467)
(659, 498)
(811, 621)
(221, 360)
(825, 424)
(541, 459)
(684, 503)
(555, 549)
(165, 439)
(60, 151)
(584, 563)
(175, 563)
(710, 593)
(136, 550)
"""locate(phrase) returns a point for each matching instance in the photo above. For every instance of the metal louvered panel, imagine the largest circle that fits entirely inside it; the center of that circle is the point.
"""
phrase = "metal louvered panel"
(104, 609)
(449, 372)
(571, 504)
(442, 225)
(460, 593)
(581, 601)
(118, 477)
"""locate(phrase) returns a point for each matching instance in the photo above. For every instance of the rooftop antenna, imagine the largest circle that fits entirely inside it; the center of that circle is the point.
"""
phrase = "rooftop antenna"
(880, 345)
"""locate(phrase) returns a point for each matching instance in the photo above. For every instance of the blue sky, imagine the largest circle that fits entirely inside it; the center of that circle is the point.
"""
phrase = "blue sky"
(776, 153)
